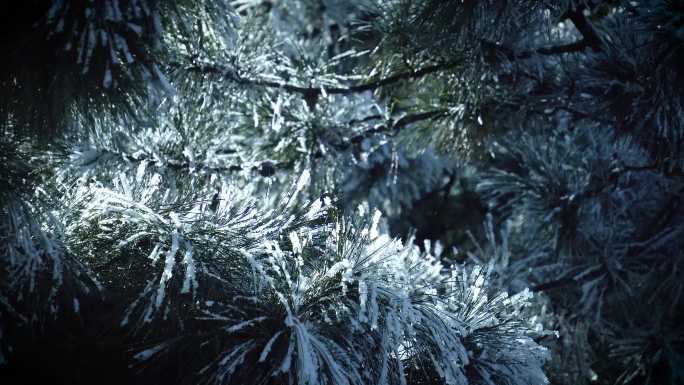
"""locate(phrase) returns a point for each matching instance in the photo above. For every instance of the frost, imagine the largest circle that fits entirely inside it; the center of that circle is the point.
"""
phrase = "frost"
(107, 82)
(169, 263)
(148, 353)
(190, 280)
(268, 346)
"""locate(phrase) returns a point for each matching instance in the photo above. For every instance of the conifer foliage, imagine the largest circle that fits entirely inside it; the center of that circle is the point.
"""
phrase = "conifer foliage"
(342, 192)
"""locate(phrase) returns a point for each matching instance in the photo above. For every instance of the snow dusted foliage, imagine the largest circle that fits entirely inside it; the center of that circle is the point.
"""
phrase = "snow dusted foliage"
(176, 243)
(39, 279)
(107, 54)
(391, 180)
(106, 36)
(586, 212)
(344, 305)
(198, 191)
(181, 138)
(428, 27)
(562, 177)
(650, 109)
(118, 40)
(567, 192)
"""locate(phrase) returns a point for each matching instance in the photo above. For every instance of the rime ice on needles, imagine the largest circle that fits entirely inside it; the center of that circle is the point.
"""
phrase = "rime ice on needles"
(334, 303)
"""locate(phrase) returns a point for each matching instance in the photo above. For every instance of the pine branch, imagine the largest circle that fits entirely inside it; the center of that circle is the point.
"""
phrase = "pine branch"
(396, 78)
(574, 47)
(311, 93)
(577, 46)
(397, 125)
(185, 166)
(584, 26)
(410, 119)
(590, 39)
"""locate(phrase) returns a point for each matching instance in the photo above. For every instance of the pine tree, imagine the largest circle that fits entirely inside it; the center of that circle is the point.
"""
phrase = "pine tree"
(342, 192)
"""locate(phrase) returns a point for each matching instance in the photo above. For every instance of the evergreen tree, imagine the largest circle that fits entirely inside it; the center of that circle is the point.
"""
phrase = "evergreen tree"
(342, 192)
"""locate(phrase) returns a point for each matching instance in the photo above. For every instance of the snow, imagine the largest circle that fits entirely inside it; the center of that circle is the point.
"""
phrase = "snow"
(268, 346)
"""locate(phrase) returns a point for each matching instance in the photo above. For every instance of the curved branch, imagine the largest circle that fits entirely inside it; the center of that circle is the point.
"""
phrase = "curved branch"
(399, 124)
(310, 93)
(577, 46)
